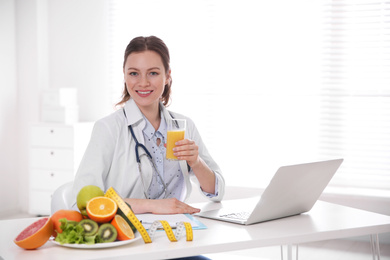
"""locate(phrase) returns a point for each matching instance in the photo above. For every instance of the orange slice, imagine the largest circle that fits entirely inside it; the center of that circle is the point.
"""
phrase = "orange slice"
(101, 209)
(124, 230)
(36, 234)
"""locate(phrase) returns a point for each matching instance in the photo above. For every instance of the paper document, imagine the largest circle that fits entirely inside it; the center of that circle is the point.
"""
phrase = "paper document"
(148, 219)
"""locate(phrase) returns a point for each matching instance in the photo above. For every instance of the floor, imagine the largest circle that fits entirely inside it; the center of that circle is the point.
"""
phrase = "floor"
(324, 250)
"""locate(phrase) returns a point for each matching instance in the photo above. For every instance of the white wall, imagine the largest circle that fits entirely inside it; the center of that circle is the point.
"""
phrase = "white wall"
(78, 52)
(46, 44)
(9, 174)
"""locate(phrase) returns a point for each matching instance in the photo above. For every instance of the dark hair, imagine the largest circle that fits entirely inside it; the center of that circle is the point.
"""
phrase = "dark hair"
(151, 43)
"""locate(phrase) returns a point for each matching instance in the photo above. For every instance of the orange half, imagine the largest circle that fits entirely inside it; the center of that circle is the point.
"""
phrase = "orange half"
(101, 209)
(124, 230)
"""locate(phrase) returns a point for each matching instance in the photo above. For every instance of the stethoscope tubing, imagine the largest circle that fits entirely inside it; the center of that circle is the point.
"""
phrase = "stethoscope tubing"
(137, 146)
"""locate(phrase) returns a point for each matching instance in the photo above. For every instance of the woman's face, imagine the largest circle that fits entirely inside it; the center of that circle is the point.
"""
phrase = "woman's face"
(145, 78)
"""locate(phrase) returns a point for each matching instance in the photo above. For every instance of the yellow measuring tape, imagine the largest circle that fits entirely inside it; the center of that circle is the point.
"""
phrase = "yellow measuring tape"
(147, 237)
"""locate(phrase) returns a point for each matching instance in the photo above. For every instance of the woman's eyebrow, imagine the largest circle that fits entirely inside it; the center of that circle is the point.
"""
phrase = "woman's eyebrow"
(152, 68)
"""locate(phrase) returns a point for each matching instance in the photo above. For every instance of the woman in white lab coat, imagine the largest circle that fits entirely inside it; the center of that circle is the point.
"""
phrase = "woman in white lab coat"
(110, 158)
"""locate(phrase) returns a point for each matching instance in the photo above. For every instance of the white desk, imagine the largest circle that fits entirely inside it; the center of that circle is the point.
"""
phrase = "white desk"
(325, 221)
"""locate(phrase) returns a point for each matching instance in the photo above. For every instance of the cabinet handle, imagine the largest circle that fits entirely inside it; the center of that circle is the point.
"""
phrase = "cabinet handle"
(52, 131)
(51, 152)
(52, 174)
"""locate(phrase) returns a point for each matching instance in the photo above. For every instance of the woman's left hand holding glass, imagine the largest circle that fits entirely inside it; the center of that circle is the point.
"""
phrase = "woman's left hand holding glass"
(187, 150)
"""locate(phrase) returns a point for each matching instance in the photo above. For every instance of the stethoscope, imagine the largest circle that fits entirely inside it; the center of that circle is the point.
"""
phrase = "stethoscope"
(138, 145)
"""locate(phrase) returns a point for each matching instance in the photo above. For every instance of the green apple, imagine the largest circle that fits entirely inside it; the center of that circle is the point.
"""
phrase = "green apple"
(85, 194)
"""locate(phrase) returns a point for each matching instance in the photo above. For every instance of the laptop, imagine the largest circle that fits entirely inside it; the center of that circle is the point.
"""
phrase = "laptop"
(293, 190)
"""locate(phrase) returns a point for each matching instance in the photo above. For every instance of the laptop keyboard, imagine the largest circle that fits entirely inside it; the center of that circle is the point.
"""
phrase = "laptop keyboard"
(239, 215)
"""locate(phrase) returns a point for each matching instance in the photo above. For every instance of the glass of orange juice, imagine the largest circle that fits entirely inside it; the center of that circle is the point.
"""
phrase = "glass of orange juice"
(175, 132)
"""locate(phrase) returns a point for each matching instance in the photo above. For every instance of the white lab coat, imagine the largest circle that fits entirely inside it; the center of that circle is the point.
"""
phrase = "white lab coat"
(110, 160)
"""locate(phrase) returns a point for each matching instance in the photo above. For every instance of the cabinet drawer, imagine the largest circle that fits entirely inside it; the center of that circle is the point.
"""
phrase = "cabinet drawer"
(49, 180)
(52, 159)
(39, 202)
(52, 136)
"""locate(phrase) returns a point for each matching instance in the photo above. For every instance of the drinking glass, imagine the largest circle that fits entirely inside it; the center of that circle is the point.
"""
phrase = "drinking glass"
(175, 132)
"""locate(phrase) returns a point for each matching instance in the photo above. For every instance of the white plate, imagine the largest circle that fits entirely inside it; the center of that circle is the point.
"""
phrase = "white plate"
(100, 245)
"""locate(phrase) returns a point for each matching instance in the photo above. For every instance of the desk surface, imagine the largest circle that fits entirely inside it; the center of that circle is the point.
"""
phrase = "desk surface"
(325, 221)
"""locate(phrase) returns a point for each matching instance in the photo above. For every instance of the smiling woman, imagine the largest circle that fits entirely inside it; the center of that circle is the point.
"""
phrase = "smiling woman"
(145, 79)
(127, 150)
(148, 67)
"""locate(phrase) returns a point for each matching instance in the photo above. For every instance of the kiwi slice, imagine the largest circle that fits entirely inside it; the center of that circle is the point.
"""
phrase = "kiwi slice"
(107, 233)
(90, 227)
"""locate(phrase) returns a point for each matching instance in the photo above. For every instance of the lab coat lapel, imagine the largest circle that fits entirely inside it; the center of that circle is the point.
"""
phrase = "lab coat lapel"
(136, 120)
(165, 111)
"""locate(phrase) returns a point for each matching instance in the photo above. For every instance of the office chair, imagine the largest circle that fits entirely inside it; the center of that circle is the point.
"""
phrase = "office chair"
(61, 198)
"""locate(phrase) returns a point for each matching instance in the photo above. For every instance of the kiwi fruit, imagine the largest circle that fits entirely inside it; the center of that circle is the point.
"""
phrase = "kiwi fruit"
(107, 233)
(90, 227)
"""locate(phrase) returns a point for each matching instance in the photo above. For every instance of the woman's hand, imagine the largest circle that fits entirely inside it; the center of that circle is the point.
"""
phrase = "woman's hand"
(187, 150)
(161, 206)
(171, 206)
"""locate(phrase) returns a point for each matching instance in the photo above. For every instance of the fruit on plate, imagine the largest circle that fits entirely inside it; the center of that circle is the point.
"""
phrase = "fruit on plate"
(123, 228)
(101, 209)
(90, 227)
(107, 233)
(85, 194)
(120, 212)
(70, 215)
(36, 234)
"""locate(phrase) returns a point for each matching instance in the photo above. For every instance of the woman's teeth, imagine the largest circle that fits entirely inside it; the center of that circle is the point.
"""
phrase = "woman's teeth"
(144, 92)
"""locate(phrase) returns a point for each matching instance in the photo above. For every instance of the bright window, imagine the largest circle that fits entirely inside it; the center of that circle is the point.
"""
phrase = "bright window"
(355, 93)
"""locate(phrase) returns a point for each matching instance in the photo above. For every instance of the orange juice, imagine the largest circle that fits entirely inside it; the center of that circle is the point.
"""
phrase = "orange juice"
(172, 138)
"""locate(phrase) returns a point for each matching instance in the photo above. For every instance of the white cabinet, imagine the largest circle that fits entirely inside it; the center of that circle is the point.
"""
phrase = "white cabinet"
(55, 153)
